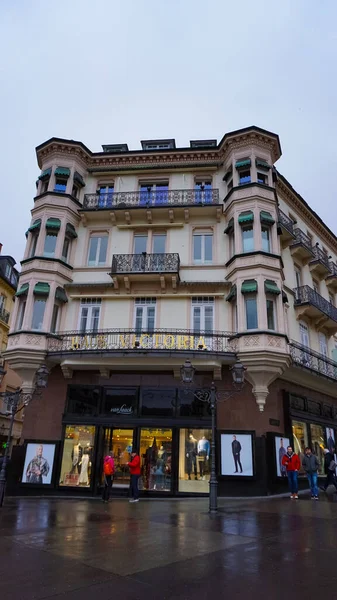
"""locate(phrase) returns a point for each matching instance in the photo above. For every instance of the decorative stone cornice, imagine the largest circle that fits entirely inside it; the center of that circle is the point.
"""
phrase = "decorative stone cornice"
(173, 158)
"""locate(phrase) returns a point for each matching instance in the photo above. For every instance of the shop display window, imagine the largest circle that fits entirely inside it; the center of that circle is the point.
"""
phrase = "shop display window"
(194, 460)
(300, 436)
(120, 401)
(78, 453)
(120, 442)
(83, 400)
(156, 459)
(318, 444)
(158, 402)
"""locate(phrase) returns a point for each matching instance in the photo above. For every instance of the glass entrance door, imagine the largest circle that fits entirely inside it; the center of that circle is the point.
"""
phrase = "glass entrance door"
(120, 441)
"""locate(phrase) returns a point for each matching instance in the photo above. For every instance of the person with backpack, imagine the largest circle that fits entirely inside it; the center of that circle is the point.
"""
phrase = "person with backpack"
(292, 463)
(329, 469)
(108, 470)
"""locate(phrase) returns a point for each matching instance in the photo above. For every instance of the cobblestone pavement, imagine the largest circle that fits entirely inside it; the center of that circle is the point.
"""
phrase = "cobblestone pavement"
(167, 549)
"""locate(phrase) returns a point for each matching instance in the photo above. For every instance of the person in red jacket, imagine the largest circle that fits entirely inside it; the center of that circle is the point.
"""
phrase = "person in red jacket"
(134, 466)
(292, 463)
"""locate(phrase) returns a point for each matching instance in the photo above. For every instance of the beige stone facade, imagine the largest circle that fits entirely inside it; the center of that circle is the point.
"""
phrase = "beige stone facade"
(136, 260)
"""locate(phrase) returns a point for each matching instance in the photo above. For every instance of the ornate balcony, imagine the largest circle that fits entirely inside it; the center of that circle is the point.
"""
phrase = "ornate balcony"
(4, 316)
(134, 267)
(301, 247)
(320, 264)
(285, 228)
(121, 341)
(309, 359)
(331, 279)
(151, 199)
(311, 304)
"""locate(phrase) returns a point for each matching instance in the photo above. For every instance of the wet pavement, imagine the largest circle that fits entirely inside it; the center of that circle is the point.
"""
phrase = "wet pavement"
(167, 549)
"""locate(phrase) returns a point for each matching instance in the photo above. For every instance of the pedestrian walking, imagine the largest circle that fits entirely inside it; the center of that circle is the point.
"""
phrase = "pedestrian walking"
(134, 466)
(292, 463)
(108, 469)
(311, 465)
(329, 469)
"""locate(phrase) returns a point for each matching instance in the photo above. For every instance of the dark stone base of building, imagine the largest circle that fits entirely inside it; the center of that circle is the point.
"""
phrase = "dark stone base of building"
(69, 430)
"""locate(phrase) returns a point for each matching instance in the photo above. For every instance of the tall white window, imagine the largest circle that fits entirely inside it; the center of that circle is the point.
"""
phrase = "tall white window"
(21, 313)
(2, 302)
(202, 248)
(251, 311)
(140, 243)
(298, 277)
(38, 313)
(304, 334)
(89, 314)
(203, 314)
(159, 243)
(323, 344)
(50, 244)
(97, 250)
(265, 233)
(247, 238)
(145, 314)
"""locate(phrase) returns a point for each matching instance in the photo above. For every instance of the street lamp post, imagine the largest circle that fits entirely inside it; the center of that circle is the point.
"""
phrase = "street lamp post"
(211, 396)
(15, 402)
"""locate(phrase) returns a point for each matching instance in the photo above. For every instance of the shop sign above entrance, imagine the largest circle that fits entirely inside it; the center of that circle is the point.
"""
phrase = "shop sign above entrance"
(122, 410)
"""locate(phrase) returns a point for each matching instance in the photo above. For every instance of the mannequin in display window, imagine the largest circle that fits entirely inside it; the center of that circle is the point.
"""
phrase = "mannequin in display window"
(150, 464)
(76, 457)
(191, 456)
(203, 455)
(85, 464)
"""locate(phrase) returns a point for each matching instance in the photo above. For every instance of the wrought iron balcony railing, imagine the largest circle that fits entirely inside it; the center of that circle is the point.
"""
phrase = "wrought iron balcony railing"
(4, 315)
(285, 221)
(303, 239)
(306, 295)
(145, 263)
(321, 256)
(156, 340)
(333, 269)
(309, 359)
(151, 199)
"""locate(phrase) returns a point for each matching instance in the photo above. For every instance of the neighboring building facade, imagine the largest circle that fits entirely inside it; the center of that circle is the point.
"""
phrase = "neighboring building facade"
(11, 381)
(137, 260)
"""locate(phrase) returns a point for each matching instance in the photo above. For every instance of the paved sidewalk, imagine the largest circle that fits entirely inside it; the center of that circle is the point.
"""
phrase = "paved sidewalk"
(167, 549)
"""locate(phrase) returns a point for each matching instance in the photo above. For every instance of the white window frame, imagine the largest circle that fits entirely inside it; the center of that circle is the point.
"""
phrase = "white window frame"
(91, 304)
(202, 304)
(251, 297)
(202, 234)
(21, 313)
(96, 263)
(144, 305)
(268, 229)
(272, 299)
(247, 227)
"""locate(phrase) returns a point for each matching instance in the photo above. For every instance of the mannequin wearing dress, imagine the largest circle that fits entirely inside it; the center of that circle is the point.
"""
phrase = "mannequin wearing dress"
(84, 477)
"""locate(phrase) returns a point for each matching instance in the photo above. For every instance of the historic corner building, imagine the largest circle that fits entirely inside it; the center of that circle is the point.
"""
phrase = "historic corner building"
(137, 260)
(9, 380)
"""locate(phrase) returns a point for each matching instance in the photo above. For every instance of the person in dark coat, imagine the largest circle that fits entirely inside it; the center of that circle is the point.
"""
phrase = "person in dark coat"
(330, 473)
(236, 450)
(311, 465)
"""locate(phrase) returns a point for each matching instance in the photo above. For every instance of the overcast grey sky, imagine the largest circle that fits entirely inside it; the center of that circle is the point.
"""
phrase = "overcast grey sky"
(110, 71)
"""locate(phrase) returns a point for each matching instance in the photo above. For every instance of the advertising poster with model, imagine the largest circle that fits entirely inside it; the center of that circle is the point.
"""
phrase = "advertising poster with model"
(281, 445)
(39, 461)
(237, 454)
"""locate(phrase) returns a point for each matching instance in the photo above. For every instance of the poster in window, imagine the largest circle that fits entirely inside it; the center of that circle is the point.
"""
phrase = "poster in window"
(39, 462)
(237, 454)
(330, 440)
(281, 445)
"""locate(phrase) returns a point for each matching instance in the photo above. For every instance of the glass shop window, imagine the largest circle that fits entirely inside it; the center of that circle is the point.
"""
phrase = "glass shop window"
(194, 460)
(158, 403)
(318, 444)
(120, 401)
(83, 400)
(78, 454)
(156, 459)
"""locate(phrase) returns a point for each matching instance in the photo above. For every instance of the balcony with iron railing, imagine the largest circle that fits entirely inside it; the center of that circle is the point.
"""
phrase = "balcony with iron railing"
(159, 341)
(304, 357)
(311, 304)
(331, 278)
(151, 199)
(320, 264)
(4, 315)
(285, 228)
(145, 263)
(301, 247)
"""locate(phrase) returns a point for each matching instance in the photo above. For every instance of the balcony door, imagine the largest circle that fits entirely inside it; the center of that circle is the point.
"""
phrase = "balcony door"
(323, 349)
(145, 315)
(139, 249)
(158, 252)
(203, 317)
(89, 314)
(304, 333)
(153, 194)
